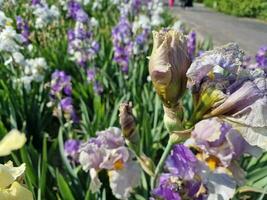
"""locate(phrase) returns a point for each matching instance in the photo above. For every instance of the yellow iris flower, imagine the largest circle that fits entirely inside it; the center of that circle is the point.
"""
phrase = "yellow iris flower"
(11, 177)
(12, 141)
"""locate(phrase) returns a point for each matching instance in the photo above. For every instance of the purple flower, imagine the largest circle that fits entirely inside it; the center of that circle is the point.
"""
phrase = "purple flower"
(107, 149)
(66, 106)
(71, 35)
(60, 83)
(228, 57)
(122, 43)
(191, 44)
(76, 12)
(140, 45)
(81, 44)
(182, 162)
(136, 5)
(167, 188)
(91, 74)
(71, 148)
(60, 95)
(108, 152)
(261, 57)
(81, 16)
(98, 88)
(36, 2)
(218, 139)
(24, 29)
(95, 46)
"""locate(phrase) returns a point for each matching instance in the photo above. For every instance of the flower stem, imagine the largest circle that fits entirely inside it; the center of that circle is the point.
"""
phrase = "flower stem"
(161, 162)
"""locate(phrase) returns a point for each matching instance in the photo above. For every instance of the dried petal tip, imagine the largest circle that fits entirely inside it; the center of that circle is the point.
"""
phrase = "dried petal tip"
(127, 120)
(168, 64)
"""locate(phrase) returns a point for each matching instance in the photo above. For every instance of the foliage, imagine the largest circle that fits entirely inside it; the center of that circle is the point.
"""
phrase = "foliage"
(242, 8)
(49, 173)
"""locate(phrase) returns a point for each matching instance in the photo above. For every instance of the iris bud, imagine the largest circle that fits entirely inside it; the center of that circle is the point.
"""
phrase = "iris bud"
(127, 122)
(147, 164)
(168, 65)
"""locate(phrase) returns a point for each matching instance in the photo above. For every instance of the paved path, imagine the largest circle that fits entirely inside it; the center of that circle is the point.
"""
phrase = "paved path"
(248, 33)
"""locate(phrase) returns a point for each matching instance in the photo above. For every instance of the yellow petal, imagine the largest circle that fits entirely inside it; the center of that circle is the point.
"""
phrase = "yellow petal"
(9, 174)
(12, 141)
(15, 192)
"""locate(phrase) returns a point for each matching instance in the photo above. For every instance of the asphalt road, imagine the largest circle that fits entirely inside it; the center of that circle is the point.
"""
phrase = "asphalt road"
(250, 34)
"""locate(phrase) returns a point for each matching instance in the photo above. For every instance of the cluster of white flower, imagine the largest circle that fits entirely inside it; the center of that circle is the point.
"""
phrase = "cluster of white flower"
(141, 22)
(33, 70)
(156, 7)
(45, 15)
(9, 40)
(10, 49)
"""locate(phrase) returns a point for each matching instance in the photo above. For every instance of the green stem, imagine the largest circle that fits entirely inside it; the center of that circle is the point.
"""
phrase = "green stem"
(161, 162)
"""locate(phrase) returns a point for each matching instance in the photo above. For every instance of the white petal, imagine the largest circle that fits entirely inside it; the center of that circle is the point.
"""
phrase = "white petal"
(95, 182)
(123, 181)
(251, 122)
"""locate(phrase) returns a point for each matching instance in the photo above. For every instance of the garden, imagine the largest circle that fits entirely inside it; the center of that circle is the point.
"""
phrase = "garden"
(120, 100)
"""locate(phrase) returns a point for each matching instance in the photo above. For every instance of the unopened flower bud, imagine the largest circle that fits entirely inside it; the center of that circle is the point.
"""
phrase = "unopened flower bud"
(168, 65)
(147, 164)
(127, 122)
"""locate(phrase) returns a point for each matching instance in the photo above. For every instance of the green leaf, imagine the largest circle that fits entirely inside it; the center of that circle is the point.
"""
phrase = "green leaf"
(64, 188)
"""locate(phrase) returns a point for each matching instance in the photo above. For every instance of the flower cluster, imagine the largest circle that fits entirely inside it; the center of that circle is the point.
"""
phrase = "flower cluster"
(122, 42)
(81, 44)
(10, 40)
(108, 152)
(130, 37)
(44, 14)
(228, 118)
(33, 70)
(60, 96)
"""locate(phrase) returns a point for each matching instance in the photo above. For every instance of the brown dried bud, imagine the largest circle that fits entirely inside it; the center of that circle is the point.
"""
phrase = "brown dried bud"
(127, 120)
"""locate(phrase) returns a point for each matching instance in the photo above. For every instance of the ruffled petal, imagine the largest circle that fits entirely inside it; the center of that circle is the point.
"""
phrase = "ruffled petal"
(15, 192)
(123, 181)
(9, 174)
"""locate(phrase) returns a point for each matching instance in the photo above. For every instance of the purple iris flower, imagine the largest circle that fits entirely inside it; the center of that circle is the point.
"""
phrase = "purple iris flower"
(122, 43)
(167, 188)
(60, 93)
(82, 43)
(182, 162)
(60, 83)
(191, 44)
(36, 2)
(24, 29)
(98, 88)
(66, 105)
(91, 74)
(76, 12)
(71, 148)
(261, 57)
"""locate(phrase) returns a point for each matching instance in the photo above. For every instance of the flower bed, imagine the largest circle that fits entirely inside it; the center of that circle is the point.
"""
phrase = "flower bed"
(119, 100)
